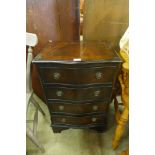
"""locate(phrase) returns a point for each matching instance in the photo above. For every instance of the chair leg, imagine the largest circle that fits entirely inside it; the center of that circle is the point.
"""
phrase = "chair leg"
(31, 136)
(37, 105)
(126, 152)
(120, 128)
(117, 113)
(35, 123)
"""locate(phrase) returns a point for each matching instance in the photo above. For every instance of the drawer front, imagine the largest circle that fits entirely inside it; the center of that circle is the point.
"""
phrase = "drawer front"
(71, 120)
(78, 75)
(78, 108)
(78, 94)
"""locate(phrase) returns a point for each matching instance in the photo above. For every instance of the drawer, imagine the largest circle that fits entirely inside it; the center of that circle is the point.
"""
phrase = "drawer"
(78, 94)
(72, 120)
(78, 108)
(78, 75)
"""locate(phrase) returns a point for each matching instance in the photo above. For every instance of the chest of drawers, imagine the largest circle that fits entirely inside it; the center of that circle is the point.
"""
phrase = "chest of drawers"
(78, 80)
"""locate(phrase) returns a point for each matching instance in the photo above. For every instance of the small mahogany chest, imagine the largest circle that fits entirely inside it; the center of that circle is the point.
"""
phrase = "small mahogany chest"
(78, 80)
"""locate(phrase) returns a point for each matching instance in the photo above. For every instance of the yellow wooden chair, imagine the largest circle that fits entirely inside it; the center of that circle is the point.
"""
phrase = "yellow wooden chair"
(122, 118)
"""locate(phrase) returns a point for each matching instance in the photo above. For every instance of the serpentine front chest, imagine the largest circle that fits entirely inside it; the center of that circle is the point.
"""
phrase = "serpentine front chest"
(78, 80)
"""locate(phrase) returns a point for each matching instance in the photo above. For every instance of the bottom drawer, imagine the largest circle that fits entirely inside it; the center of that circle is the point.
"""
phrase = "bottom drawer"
(72, 120)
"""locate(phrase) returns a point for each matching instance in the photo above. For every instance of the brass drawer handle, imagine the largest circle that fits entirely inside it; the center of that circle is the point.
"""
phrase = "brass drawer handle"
(63, 120)
(61, 107)
(94, 119)
(59, 93)
(95, 107)
(96, 93)
(56, 76)
(99, 75)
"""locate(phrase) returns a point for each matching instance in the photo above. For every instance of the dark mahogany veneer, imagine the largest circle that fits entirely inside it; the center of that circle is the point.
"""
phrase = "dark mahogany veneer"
(78, 79)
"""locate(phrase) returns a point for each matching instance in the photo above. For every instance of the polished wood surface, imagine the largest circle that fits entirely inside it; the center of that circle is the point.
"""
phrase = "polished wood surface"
(55, 20)
(70, 75)
(78, 108)
(70, 120)
(78, 78)
(78, 94)
(85, 51)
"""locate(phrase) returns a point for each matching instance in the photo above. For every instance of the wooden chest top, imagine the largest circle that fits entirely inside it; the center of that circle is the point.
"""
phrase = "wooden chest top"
(70, 52)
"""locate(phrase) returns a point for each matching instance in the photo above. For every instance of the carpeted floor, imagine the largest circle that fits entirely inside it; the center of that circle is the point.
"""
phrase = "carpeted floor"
(75, 141)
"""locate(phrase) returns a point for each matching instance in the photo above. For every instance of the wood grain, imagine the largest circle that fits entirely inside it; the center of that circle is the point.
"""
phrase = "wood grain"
(105, 19)
(77, 109)
(99, 93)
(71, 120)
(89, 50)
(93, 75)
(51, 20)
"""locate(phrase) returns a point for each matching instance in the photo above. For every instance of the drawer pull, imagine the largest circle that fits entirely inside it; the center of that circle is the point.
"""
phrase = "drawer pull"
(96, 93)
(94, 119)
(56, 75)
(61, 107)
(59, 93)
(63, 120)
(95, 107)
(98, 75)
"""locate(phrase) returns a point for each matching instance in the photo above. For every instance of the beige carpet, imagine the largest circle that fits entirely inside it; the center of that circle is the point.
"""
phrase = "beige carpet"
(75, 141)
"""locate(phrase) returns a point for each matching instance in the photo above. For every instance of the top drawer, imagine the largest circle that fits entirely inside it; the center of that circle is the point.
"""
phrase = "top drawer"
(75, 75)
